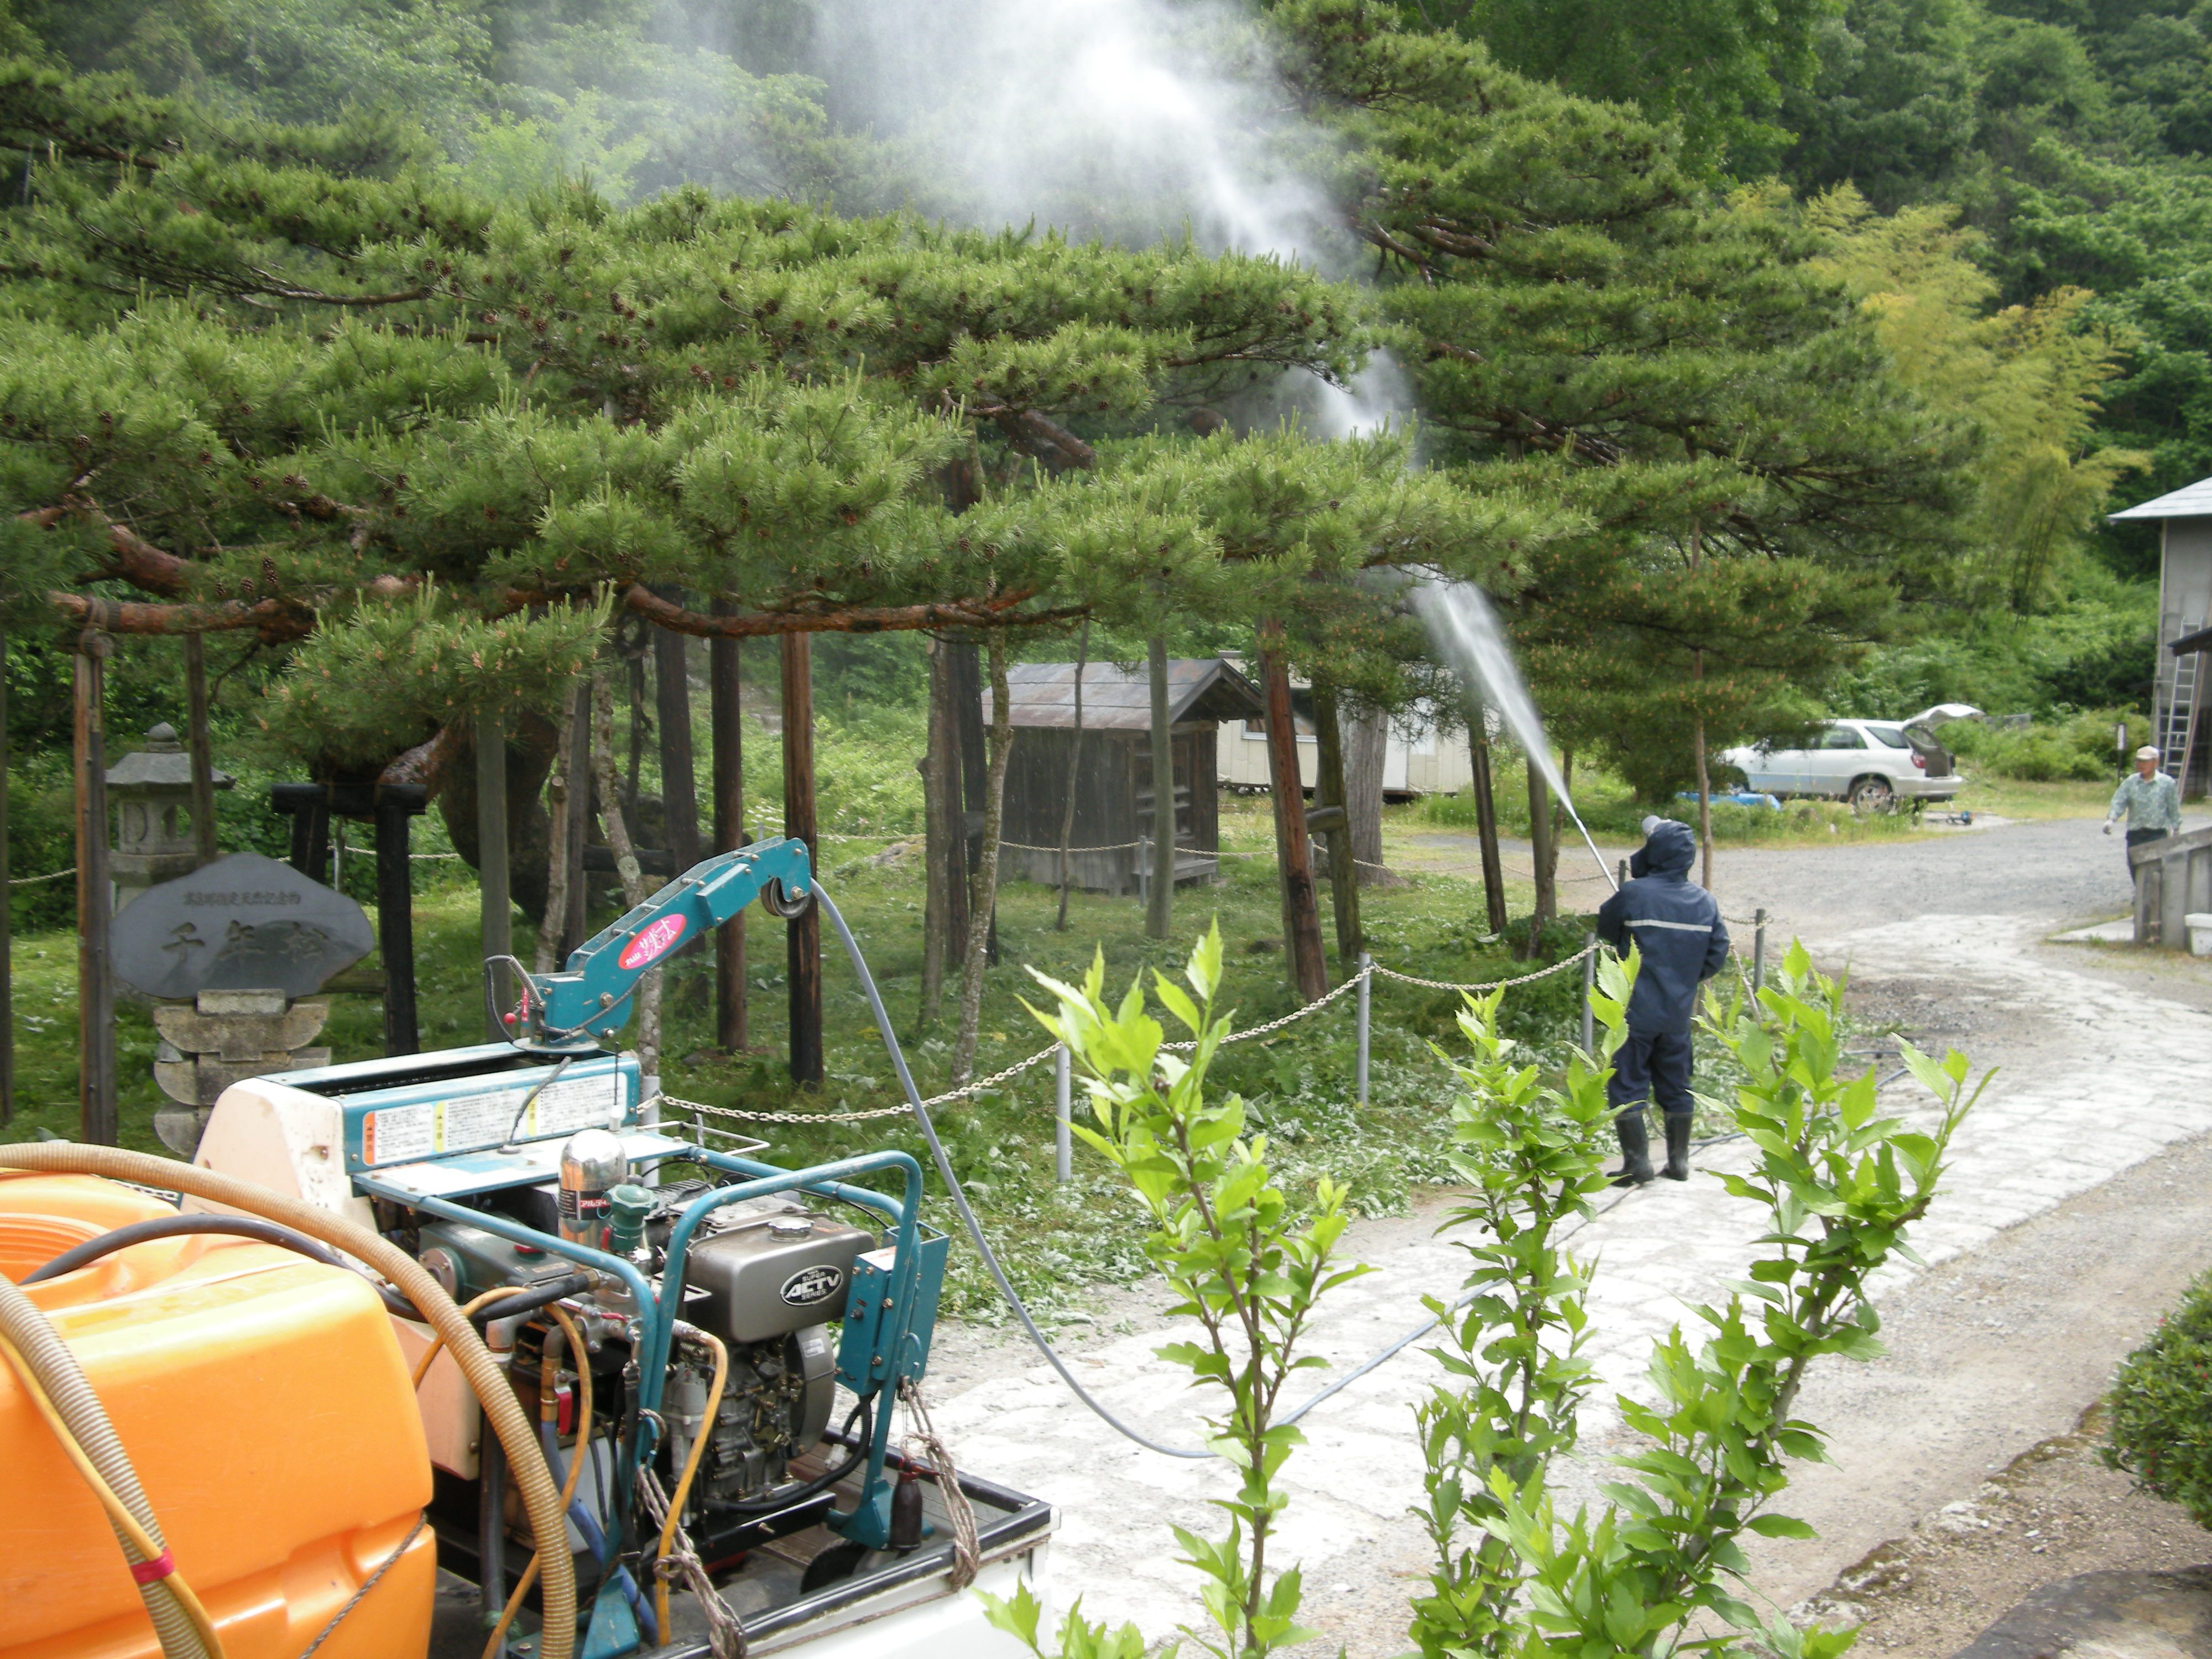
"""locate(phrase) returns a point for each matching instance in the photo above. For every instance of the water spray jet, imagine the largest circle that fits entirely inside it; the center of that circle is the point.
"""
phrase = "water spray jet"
(1467, 632)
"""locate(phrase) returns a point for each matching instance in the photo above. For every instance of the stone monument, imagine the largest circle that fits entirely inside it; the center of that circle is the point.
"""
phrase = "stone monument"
(233, 950)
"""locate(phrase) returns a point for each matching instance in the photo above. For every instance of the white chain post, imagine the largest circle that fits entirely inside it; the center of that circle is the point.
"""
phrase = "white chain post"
(1063, 1094)
(1758, 952)
(1366, 996)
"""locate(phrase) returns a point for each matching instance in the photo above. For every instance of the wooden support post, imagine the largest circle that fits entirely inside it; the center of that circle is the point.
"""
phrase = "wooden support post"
(495, 913)
(201, 746)
(396, 803)
(803, 933)
(1486, 822)
(7, 976)
(98, 1122)
(725, 681)
(1302, 950)
(1343, 872)
(581, 777)
(1159, 900)
(967, 661)
(679, 784)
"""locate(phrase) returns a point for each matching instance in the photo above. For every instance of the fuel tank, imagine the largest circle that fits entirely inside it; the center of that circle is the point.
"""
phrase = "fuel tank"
(263, 1400)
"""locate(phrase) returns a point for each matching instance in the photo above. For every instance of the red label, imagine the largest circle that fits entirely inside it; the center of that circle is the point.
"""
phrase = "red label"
(655, 942)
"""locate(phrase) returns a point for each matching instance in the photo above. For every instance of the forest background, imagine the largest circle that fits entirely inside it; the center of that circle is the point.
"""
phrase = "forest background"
(1935, 281)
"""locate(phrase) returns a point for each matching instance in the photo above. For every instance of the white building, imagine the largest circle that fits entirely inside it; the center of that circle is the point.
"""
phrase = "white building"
(1418, 759)
(2184, 609)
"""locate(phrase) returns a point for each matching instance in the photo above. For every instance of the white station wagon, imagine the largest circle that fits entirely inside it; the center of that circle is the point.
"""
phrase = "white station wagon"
(1873, 764)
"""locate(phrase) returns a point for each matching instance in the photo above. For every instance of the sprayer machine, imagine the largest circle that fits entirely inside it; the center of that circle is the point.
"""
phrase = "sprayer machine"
(714, 1351)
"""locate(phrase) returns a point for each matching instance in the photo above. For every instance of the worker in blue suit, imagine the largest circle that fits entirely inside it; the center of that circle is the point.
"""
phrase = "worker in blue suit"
(1676, 928)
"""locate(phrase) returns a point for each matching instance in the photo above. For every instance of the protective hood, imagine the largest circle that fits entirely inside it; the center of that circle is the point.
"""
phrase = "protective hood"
(1668, 849)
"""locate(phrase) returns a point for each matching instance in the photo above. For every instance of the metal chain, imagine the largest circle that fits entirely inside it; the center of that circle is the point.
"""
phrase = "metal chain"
(681, 1566)
(959, 1513)
(698, 1107)
(1487, 985)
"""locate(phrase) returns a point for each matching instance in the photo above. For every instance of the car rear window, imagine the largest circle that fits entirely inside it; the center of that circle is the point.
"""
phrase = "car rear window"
(1889, 739)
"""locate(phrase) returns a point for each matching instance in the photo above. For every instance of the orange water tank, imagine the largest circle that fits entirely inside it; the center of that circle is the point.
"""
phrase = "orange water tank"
(264, 1402)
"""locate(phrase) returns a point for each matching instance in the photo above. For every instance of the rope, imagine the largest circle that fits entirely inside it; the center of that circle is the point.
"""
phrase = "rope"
(726, 1633)
(367, 1585)
(959, 1513)
(33, 881)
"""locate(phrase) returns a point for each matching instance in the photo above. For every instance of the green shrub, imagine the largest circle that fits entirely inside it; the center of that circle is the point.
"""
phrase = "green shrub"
(2078, 747)
(2161, 1407)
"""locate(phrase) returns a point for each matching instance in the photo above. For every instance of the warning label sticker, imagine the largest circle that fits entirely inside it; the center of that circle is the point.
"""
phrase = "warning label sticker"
(469, 1120)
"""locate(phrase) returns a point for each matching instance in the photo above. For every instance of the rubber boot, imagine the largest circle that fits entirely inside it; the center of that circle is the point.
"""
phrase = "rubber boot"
(1678, 1147)
(1635, 1150)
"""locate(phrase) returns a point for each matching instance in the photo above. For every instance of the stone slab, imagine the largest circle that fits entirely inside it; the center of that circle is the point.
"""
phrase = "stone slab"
(240, 1036)
(2110, 1615)
(244, 922)
(200, 1081)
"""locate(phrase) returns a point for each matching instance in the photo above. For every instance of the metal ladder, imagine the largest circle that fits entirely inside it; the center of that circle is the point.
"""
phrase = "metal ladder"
(2178, 740)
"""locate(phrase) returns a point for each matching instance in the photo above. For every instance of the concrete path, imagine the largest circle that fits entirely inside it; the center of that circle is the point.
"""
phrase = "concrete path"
(2103, 1070)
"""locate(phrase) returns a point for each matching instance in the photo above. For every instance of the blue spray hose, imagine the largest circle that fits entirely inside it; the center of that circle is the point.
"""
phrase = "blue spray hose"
(960, 1198)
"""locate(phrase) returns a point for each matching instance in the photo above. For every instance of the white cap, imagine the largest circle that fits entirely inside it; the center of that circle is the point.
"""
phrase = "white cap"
(2147, 752)
(1651, 821)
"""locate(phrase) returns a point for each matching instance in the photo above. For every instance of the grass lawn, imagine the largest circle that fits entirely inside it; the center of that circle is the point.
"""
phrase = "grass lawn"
(1298, 1083)
(2010, 798)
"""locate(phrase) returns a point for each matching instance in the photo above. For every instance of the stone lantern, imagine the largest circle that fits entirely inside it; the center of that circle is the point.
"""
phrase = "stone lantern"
(152, 791)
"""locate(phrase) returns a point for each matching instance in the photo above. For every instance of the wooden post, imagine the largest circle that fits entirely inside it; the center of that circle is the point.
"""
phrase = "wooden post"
(725, 681)
(1540, 844)
(944, 918)
(495, 916)
(203, 751)
(396, 803)
(1159, 908)
(580, 815)
(1343, 872)
(1485, 821)
(7, 985)
(1074, 778)
(98, 1122)
(974, 788)
(803, 933)
(1309, 972)
(679, 785)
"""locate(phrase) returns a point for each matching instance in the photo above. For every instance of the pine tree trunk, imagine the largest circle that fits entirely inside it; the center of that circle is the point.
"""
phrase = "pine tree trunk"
(1159, 905)
(581, 792)
(679, 783)
(626, 871)
(1704, 790)
(556, 846)
(1330, 792)
(1486, 822)
(984, 899)
(725, 720)
(1540, 843)
(203, 754)
(637, 722)
(1308, 970)
(1366, 748)
(1075, 774)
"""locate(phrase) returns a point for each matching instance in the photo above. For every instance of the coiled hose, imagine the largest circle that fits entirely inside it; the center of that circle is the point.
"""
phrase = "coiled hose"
(541, 1499)
(56, 1374)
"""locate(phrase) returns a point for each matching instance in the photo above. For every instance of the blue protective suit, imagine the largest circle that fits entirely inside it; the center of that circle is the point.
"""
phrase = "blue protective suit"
(1674, 924)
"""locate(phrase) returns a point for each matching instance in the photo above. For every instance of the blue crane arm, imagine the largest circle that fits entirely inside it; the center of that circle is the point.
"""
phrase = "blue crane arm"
(590, 998)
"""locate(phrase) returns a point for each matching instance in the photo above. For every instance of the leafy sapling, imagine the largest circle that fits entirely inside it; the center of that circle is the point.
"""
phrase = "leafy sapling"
(1248, 1269)
(1530, 1155)
(1840, 1185)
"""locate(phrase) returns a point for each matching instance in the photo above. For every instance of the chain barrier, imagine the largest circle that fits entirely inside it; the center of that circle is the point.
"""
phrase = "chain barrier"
(33, 881)
(697, 1108)
(1487, 985)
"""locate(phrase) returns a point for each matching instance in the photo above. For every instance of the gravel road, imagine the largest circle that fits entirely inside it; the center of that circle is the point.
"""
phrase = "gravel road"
(2072, 1215)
